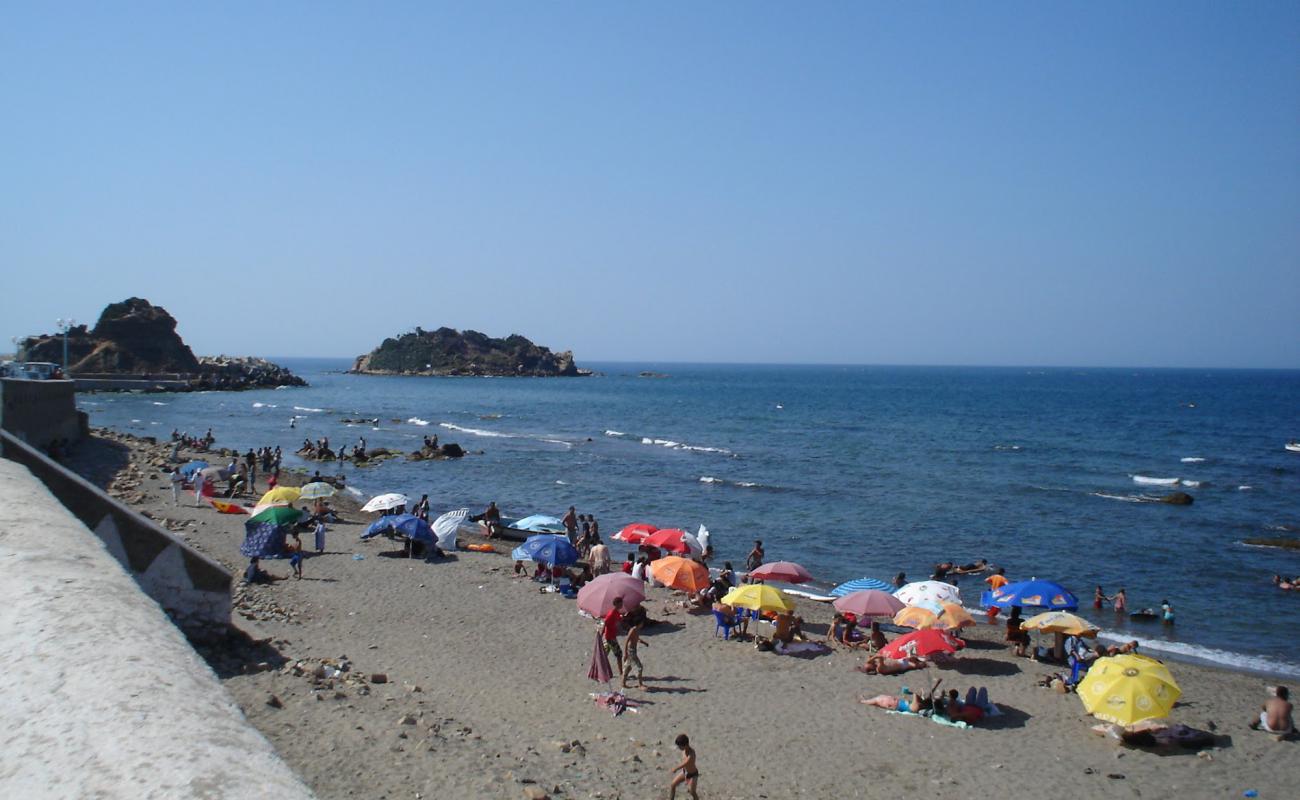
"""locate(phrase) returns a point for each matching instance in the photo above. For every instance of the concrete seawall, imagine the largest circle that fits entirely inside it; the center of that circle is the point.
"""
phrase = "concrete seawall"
(100, 696)
(38, 412)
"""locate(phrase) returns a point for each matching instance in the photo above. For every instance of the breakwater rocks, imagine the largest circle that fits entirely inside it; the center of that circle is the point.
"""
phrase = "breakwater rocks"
(376, 455)
(136, 340)
(449, 352)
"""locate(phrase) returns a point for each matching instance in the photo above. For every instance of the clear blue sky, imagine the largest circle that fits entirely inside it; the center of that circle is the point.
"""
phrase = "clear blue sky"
(932, 183)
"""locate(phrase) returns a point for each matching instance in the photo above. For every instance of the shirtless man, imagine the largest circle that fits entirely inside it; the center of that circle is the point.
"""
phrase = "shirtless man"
(1276, 715)
(883, 665)
(788, 627)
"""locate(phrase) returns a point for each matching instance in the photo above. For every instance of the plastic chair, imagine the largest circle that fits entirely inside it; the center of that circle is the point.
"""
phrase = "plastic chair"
(722, 625)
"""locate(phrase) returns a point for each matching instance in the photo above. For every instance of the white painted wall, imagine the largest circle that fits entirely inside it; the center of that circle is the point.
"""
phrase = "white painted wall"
(100, 695)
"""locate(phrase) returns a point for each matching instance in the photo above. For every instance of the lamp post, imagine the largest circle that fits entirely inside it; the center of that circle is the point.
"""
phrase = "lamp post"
(64, 326)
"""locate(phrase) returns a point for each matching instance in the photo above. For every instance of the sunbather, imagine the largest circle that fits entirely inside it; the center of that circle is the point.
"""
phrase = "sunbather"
(907, 703)
(883, 665)
(1276, 714)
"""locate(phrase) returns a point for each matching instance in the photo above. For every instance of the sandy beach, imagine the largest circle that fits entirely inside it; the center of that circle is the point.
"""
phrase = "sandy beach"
(485, 692)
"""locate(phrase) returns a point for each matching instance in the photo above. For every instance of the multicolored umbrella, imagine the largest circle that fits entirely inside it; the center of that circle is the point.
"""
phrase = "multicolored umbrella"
(1035, 594)
(861, 585)
(277, 515)
(280, 494)
(921, 644)
(227, 507)
(317, 490)
(1127, 689)
(680, 573)
(869, 603)
(635, 533)
(920, 592)
(759, 597)
(597, 597)
(386, 502)
(784, 571)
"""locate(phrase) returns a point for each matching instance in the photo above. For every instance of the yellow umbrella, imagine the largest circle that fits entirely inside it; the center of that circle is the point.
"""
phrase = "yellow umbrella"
(759, 597)
(1128, 688)
(954, 617)
(280, 494)
(916, 617)
(676, 572)
(1059, 622)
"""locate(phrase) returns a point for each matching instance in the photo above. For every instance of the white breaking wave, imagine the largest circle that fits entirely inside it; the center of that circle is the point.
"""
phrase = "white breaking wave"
(1155, 481)
(1244, 488)
(1121, 497)
(1192, 460)
(561, 483)
(265, 405)
(304, 408)
(568, 445)
(476, 431)
(675, 445)
(418, 421)
(710, 479)
(1210, 655)
(158, 403)
(615, 433)
(1193, 484)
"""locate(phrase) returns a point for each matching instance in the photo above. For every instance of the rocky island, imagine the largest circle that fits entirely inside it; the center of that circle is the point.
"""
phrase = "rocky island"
(136, 339)
(448, 352)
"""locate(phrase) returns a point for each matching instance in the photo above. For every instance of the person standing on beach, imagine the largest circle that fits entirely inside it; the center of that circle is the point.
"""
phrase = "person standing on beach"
(686, 772)
(320, 535)
(635, 621)
(570, 523)
(177, 481)
(609, 631)
(295, 556)
(599, 558)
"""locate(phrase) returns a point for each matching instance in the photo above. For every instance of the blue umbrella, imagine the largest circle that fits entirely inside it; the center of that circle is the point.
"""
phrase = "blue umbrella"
(412, 527)
(539, 523)
(859, 585)
(188, 470)
(549, 548)
(263, 539)
(1034, 594)
(385, 525)
(520, 554)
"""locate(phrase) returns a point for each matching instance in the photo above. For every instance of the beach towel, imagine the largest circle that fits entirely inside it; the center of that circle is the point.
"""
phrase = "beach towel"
(795, 648)
(616, 702)
(938, 720)
(599, 670)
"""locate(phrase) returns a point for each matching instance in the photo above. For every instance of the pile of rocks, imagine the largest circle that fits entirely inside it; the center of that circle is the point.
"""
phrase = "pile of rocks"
(242, 372)
(250, 602)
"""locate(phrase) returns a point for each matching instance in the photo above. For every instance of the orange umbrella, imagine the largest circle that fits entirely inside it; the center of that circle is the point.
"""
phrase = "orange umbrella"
(680, 573)
(954, 617)
(916, 617)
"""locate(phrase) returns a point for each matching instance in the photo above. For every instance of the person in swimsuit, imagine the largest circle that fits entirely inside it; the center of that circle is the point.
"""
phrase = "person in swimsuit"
(916, 705)
(883, 665)
(1120, 602)
(635, 621)
(1098, 597)
(686, 772)
(1276, 715)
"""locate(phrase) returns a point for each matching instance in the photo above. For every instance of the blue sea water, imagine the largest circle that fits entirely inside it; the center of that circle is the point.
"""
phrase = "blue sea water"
(854, 470)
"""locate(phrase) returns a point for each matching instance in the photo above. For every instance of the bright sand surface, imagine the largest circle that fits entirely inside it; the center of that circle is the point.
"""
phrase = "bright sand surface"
(503, 694)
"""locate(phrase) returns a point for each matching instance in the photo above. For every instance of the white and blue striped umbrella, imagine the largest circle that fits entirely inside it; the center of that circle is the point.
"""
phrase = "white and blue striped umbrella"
(859, 585)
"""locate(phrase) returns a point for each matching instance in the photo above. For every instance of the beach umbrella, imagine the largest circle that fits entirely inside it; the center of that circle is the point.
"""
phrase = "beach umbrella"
(916, 617)
(784, 571)
(1059, 622)
(758, 597)
(1128, 688)
(227, 507)
(386, 502)
(446, 526)
(549, 548)
(412, 527)
(669, 539)
(382, 525)
(539, 523)
(676, 572)
(214, 473)
(635, 533)
(869, 603)
(914, 594)
(280, 494)
(702, 536)
(277, 515)
(921, 644)
(954, 617)
(317, 490)
(188, 469)
(520, 554)
(1035, 594)
(263, 539)
(597, 597)
(861, 585)
(599, 670)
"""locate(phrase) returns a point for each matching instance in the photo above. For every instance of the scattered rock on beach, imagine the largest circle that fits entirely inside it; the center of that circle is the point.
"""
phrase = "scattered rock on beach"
(379, 677)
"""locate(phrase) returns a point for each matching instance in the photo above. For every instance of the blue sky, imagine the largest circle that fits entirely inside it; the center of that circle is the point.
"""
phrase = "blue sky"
(956, 183)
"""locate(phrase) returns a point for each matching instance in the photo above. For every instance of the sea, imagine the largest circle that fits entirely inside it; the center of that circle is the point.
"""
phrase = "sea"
(854, 471)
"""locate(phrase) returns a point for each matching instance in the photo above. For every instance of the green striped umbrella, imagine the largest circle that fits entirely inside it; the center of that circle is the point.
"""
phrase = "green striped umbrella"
(278, 515)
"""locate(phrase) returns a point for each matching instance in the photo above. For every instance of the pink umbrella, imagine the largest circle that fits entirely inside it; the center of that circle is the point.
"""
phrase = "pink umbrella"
(669, 539)
(869, 603)
(600, 670)
(786, 571)
(635, 533)
(597, 597)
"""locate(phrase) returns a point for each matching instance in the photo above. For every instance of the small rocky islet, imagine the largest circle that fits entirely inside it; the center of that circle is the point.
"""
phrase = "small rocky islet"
(449, 352)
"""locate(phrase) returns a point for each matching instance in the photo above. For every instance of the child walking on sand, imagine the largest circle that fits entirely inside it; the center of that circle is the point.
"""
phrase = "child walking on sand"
(295, 556)
(685, 772)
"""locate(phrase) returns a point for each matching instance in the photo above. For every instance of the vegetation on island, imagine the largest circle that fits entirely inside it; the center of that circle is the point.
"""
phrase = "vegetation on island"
(447, 351)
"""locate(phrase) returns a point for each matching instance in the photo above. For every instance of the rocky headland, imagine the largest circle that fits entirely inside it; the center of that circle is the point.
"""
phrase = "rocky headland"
(449, 352)
(135, 338)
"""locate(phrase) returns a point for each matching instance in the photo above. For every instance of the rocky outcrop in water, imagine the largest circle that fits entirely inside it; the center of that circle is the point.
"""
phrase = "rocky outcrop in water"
(135, 338)
(450, 352)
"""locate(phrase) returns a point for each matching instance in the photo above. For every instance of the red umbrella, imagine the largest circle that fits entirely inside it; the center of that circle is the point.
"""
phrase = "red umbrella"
(869, 603)
(921, 644)
(669, 539)
(597, 597)
(635, 533)
(786, 571)
(599, 670)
